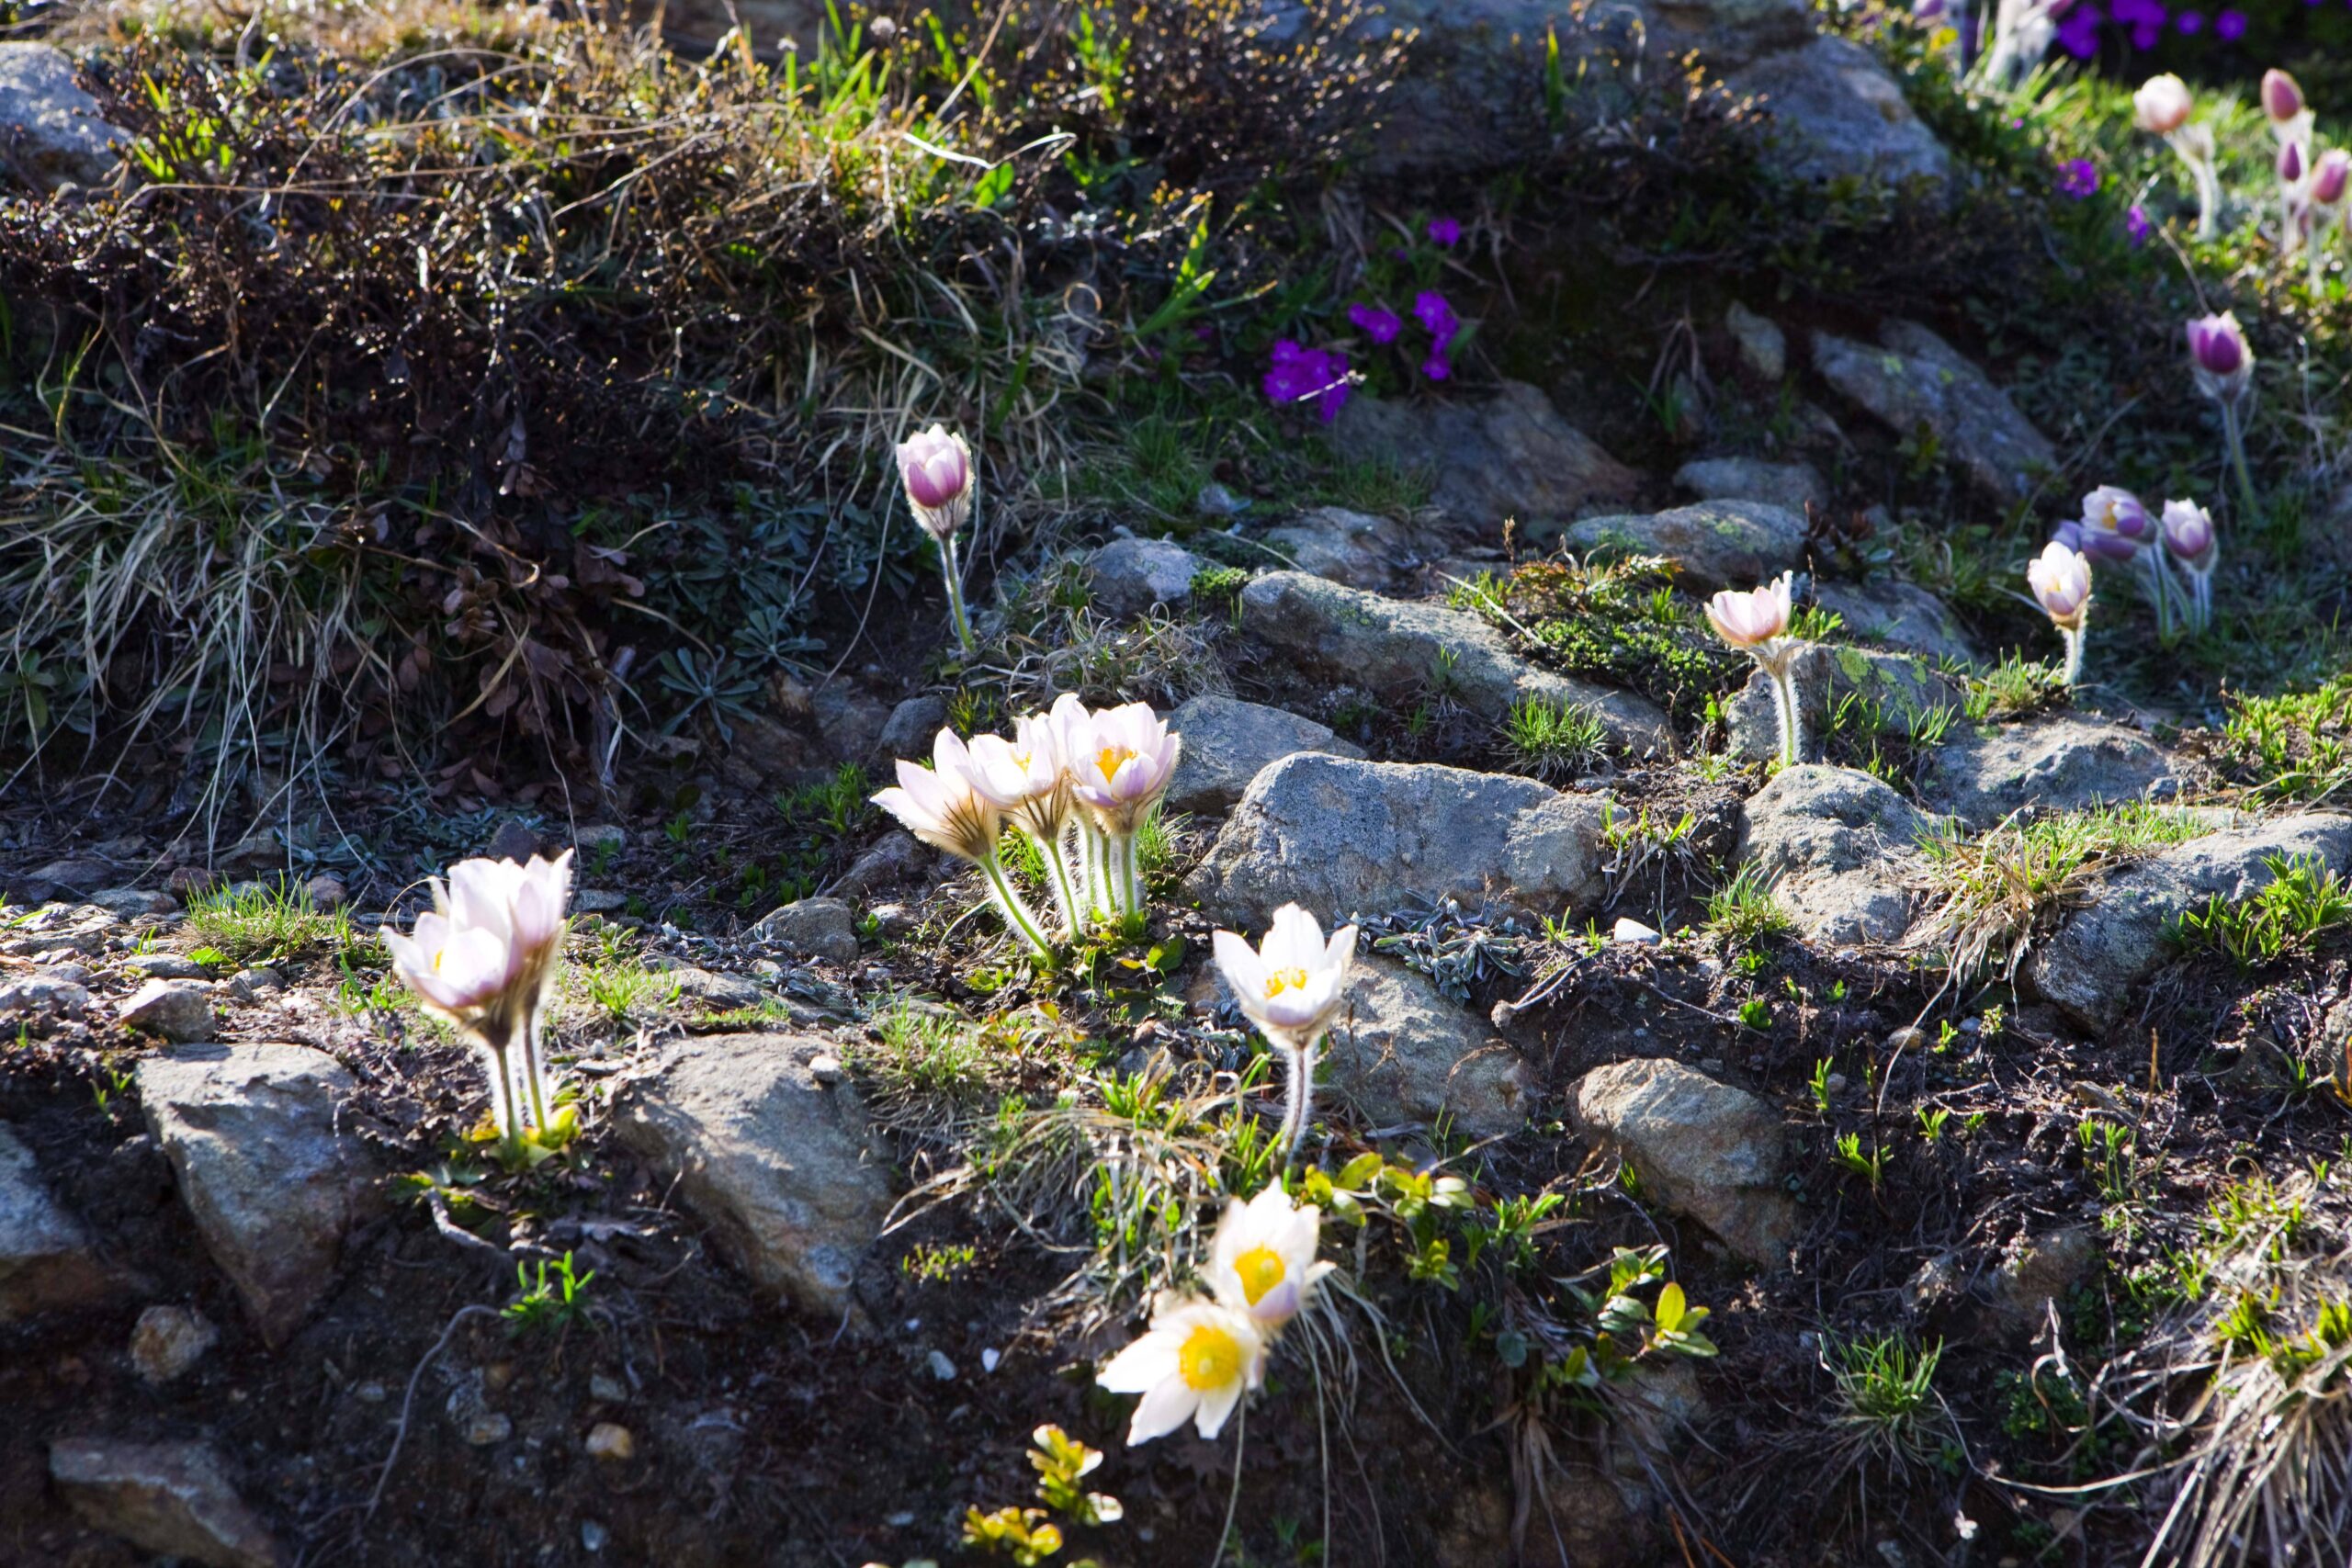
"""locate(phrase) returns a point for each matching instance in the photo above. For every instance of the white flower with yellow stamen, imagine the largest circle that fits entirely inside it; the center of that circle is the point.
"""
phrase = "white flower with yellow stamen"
(942, 806)
(1121, 761)
(1195, 1363)
(1291, 986)
(1028, 778)
(1264, 1261)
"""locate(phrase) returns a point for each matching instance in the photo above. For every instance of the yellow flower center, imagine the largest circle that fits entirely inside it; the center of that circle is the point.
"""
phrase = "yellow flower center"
(1110, 759)
(1260, 1269)
(1210, 1359)
(1281, 980)
(438, 954)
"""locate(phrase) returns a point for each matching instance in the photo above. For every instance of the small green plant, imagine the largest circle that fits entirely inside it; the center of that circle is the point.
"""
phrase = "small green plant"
(2301, 899)
(1931, 1122)
(1029, 1536)
(262, 923)
(1884, 1397)
(935, 1263)
(625, 989)
(1552, 741)
(1742, 911)
(1756, 1013)
(1871, 1166)
(546, 1305)
(1819, 1083)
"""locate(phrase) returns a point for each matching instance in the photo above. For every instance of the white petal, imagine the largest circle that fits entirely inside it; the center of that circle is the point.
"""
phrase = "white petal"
(1149, 1360)
(1243, 970)
(1216, 1404)
(1163, 1409)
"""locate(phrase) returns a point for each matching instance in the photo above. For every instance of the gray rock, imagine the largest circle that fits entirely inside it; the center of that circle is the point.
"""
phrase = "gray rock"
(1915, 380)
(1385, 643)
(1716, 544)
(2037, 1270)
(814, 928)
(127, 902)
(253, 983)
(2049, 764)
(165, 966)
(175, 1499)
(1128, 577)
(712, 989)
(912, 727)
(168, 1340)
(1507, 456)
(41, 1004)
(515, 840)
(1349, 548)
(1792, 487)
(1838, 845)
(327, 891)
(765, 751)
(1763, 346)
(1837, 113)
(601, 838)
(273, 1184)
(1704, 1149)
(849, 720)
(46, 1262)
(1228, 742)
(1341, 837)
(1405, 1052)
(2092, 965)
(73, 874)
(897, 856)
(780, 1166)
(179, 1010)
(1899, 615)
(1900, 694)
(54, 129)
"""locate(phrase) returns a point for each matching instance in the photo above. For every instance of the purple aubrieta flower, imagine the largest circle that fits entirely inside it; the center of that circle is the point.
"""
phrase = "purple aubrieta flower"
(2077, 178)
(1445, 231)
(2190, 23)
(2230, 26)
(1437, 367)
(1298, 374)
(1437, 317)
(2136, 226)
(2078, 34)
(1377, 322)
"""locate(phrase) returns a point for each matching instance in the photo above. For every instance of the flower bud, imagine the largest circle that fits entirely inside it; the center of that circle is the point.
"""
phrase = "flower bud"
(2331, 176)
(2291, 161)
(2161, 105)
(2189, 533)
(2220, 356)
(936, 468)
(2282, 99)
(2060, 580)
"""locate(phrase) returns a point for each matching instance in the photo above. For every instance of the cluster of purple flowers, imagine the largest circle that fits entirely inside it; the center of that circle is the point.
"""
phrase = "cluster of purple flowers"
(2145, 21)
(2078, 178)
(1300, 374)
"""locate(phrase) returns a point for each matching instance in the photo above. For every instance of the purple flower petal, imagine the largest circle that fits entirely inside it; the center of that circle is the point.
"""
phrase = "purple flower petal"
(1445, 231)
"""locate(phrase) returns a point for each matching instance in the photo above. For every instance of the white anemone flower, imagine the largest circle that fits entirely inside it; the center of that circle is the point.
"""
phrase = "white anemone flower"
(1756, 622)
(1195, 1363)
(485, 959)
(1121, 761)
(2061, 581)
(1263, 1262)
(1028, 779)
(944, 806)
(1291, 987)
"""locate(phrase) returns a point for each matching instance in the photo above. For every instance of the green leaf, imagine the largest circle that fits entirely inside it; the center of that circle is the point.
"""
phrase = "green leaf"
(1670, 1308)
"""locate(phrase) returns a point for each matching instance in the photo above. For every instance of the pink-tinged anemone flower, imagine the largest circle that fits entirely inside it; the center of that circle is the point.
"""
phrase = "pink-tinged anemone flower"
(2331, 176)
(2098, 544)
(1129, 757)
(935, 466)
(1195, 1364)
(940, 804)
(2111, 509)
(1026, 776)
(2061, 581)
(2189, 533)
(2162, 105)
(1263, 1262)
(1291, 986)
(2220, 356)
(1752, 620)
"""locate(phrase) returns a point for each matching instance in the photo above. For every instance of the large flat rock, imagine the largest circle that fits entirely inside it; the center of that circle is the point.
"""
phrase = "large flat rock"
(1716, 544)
(1228, 742)
(1837, 113)
(272, 1182)
(173, 1499)
(1405, 1052)
(1389, 644)
(2061, 763)
(1507, 456)
(780, 1166)
(1912, 380)
(1341, 837)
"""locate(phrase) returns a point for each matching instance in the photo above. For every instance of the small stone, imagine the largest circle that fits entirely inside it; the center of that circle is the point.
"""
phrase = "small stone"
(592, 1536)
(1837, 113)
(911, 727)
(611, 1440)
(488, 1426)
(897, 856)
(599, 901)
(601, 838)
(165, 966)
(1217, 501)
(512, 841)
(1128, 577)
(990, 1360)
(718, 992)
(251, 985)
(177, 1010)
(39, 1004)
(371, 1394)
(1908, 1038)
(168, 1340)
(1403, 1051)
(607, 1388)
(125, 902)
(812, 927)
(173, 1499)
(1703, 1149)
(192, 879)
(1763, 347)
(826, 1070)
(327, 892)
(941, 1366)
(1634, 932)
(69, 875)
(893, 920)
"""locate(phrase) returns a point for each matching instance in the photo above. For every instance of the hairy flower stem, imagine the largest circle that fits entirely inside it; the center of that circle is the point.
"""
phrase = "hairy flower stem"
(2074, 671)
(1298, 1099)
(503, 1107)
(1784, 704)
(954, 575)
(535, 1076)
(1009, 903)
(2233, 436)
(1126, 878)
(1057, 877)
(2209, 199)
(1094, 871)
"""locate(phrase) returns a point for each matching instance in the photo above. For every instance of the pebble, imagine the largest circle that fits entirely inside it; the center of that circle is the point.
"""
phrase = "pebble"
(826, 1070)
(327, 892)
(179, 1010)
(611, 1440)
(991, 1358)
(941, 1366)
(607, 1388)
(371, 1394)
(168, 1340)
(247, 984)
(601, 837)
(490, 1427)
(1907, 1038)
(592, 1536)
(1635, 933)
(165, 966)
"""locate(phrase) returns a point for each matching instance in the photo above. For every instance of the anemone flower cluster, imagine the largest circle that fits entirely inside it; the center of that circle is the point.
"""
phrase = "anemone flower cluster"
(2221, 362)
(2116, 529)
(485, 960)
(942, 489)
(1291, 986)
(2060, 580)
(1205, 1353)
(1077, 785)
(1756, 624)
(2162, 107)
